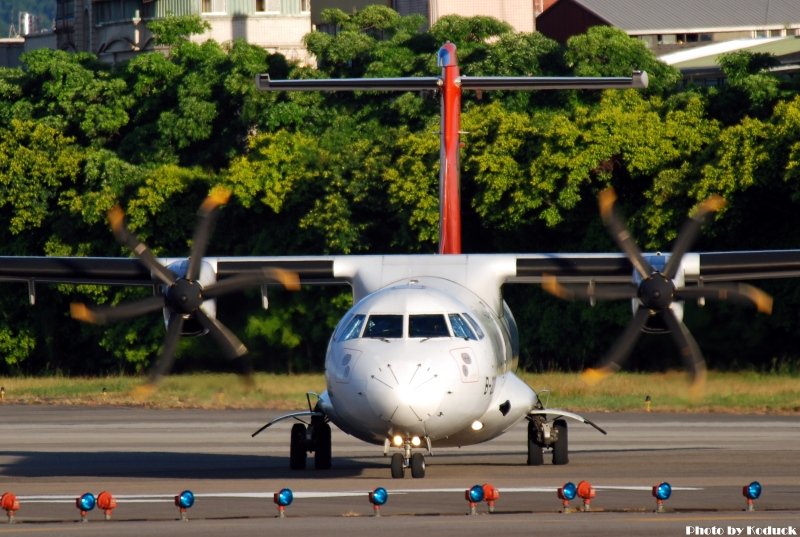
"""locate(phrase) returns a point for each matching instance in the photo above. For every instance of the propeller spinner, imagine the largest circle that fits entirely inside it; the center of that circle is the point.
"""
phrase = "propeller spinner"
(184, 294)
(656, 292)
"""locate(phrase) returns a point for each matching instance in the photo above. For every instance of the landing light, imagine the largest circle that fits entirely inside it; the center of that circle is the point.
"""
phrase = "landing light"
(415, 441)
(476, 425)
(397, 440)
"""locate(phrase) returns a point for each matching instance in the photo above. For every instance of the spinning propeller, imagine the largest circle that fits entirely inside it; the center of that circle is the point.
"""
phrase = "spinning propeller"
(656, 291)
(184, 293)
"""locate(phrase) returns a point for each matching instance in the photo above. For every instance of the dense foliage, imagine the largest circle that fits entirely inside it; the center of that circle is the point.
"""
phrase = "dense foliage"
(338, 173)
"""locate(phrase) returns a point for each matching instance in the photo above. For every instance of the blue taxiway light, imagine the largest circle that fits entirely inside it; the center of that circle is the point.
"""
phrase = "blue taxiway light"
(662, 491)
(86, 502)
(753, 490)
(379, 496)
(185, 499)
(284, 497)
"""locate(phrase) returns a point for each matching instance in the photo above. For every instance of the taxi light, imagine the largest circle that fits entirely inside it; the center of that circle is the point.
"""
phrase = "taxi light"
(85, 504)
(586, 492)
(283, 498)
(752, 492)
(107, 503)
(10, 504)
(397, 440)
(377, 498)
(474, 496)
(661, 492)
(491, 495)
(476, 425)
(566, 494)
(415, 441)
(184, 501)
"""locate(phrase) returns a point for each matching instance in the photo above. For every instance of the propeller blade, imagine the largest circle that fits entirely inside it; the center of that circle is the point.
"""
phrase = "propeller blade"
(590, 292)
(619, 232)
(288, 279)
(612, 362)
(689, 231)
(116, 217)
(689, 349)
(206, 217)
(231, 346)
(167, 356)
(108, 314)
(742, 293)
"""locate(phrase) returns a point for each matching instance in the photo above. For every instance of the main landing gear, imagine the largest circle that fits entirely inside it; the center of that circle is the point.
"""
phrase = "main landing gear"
(544, 434)
(315, 438)
(407, 459)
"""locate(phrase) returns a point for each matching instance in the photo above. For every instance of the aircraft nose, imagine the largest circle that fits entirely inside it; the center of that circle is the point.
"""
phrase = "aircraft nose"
(405, 393)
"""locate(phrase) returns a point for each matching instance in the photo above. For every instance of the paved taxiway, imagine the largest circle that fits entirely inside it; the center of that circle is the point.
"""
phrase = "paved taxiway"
(50, 455)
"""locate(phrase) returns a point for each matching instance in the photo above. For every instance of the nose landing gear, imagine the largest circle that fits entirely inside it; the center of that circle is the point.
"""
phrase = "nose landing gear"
(317, 438)
(407, 459)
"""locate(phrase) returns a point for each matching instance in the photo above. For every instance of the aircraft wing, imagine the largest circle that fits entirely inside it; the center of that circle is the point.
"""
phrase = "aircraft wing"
(374, 271)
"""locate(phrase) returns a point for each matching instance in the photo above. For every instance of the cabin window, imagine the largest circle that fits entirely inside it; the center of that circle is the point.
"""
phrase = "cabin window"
(384, 326)
(461, 327)
(351, 329)
(427, 326)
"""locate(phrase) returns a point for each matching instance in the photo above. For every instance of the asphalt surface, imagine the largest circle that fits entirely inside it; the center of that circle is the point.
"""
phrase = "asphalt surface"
(50, 455)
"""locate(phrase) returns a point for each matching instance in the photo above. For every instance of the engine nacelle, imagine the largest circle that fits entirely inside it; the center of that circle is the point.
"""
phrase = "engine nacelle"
(654, 324)
(208, 276)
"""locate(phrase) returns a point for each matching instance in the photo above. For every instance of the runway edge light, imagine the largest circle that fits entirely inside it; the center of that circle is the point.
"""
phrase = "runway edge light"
(661, 492)
(377, 498)
(184, 501)
(752, 492)
(85, 503)
(566, 494)
(490, 495)
(283, 498)
(587, 493)
(474, 496)
(107, 503)
(10, 504)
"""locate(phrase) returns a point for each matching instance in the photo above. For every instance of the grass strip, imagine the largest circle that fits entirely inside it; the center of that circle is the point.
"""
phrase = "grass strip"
(746, 392)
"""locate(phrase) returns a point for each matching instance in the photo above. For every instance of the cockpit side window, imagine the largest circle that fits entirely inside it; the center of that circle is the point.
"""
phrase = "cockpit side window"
(427, 326)
(384, 326)
(474, 324)
(352, 329)
(461, 327)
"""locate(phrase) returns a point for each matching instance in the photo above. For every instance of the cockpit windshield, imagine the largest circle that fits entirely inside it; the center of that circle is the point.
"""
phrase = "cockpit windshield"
(461, 327)
(384, 326)
(426, 326)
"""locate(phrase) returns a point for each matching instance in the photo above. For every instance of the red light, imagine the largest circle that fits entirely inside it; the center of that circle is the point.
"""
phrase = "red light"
(107, 503)
(586, 493)
(491, 495)
(10, 504)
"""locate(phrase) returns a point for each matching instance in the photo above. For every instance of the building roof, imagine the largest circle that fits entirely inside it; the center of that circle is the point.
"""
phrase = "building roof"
(691, 16)
(708, 56)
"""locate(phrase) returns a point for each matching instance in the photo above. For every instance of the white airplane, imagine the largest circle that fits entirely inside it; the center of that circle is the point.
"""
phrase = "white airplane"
(426, 357)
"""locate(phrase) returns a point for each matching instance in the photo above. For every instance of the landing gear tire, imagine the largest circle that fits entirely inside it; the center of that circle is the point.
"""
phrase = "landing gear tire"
(560, 448)
(417, 465)
(535, 455)
(398, 466)
(297, 447)
(322, 446)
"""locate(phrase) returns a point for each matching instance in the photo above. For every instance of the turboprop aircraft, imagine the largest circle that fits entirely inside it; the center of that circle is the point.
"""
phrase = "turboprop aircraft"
(426, 356)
